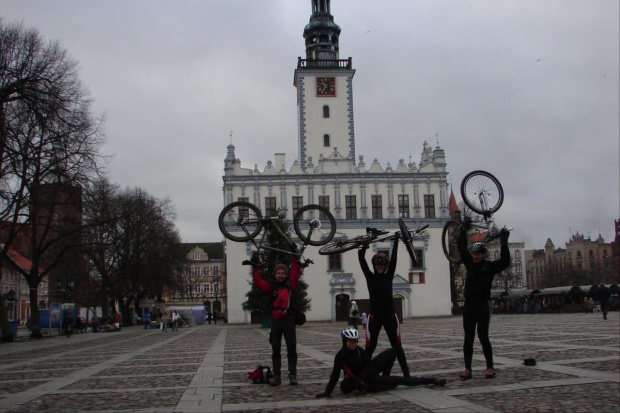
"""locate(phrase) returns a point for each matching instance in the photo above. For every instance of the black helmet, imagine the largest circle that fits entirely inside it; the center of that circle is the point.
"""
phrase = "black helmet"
(379, 259)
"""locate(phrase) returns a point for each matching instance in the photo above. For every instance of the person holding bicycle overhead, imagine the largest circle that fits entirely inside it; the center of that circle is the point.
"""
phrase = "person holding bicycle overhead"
(282, 320)
(476, 311)
(382, 313)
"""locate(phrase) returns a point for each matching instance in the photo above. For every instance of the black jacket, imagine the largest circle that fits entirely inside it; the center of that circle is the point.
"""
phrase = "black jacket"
(480, 276)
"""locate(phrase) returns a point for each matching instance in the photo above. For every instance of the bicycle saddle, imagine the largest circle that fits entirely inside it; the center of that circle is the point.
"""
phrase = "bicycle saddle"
(375, 232)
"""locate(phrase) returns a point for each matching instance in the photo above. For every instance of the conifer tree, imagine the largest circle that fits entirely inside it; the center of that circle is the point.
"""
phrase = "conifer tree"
(258, 300)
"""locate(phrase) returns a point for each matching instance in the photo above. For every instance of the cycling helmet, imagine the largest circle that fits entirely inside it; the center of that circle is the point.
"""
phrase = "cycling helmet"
(352, 302)
(350, 334)
(479, 247)
(379, 259)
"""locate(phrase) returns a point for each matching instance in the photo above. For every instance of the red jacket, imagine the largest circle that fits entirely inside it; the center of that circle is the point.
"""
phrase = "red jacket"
(281, 293)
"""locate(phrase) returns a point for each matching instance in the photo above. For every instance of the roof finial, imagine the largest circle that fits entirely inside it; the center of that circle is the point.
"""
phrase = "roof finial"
(437, 135)
(231, 132)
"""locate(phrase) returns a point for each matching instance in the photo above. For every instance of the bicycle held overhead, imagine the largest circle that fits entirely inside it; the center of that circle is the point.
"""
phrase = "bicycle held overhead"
(375, 235)
(483, 194)
(242, 221)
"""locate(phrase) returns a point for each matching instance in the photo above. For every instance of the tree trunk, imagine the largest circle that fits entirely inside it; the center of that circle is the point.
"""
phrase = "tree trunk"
(35, 315)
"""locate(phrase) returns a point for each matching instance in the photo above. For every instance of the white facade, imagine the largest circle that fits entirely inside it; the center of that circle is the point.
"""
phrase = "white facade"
(336, 178)
(358, 195)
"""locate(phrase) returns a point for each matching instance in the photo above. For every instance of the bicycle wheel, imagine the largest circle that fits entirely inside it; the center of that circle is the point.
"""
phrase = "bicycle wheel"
(449, 242)
(482, 192)
(341, 245)
(240, 221)
(407, 240)
(314, 225)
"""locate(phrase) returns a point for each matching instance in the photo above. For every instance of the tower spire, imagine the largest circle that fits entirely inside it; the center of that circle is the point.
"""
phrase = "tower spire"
(321, 33)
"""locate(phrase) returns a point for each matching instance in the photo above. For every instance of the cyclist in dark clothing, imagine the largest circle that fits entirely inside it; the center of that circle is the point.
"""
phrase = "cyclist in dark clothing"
(476, 311)
(364, 374)
(282, 320)
(382, 313)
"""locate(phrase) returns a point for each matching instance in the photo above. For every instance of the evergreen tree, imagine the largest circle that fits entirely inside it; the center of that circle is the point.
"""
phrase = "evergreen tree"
(258, 300)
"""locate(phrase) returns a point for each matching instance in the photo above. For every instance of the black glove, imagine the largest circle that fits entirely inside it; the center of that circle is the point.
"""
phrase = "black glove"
(504, 234)
(294, 248)
(253, 261)
(397, 235)
(322, 395)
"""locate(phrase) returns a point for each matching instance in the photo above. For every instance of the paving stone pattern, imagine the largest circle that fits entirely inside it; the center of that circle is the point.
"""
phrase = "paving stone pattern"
(205, 369)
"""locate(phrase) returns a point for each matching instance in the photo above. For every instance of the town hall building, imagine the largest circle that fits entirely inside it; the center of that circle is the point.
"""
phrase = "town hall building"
(359, 192)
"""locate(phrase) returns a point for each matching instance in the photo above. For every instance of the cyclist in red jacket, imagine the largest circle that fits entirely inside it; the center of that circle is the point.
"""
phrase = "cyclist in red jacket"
(282, 320)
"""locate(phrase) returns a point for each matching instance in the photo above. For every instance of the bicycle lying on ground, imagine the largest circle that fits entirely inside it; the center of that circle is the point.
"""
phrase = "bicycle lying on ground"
(484, 195)
(242, 221)
(375, 235)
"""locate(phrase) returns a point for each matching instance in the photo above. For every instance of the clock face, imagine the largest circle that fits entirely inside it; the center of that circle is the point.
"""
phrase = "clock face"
(326, 86)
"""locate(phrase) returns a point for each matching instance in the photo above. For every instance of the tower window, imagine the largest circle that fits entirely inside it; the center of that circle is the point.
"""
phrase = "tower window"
(326, 111)
(326, 140)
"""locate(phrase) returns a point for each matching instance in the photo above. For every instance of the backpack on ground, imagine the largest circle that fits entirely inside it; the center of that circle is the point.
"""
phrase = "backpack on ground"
(260, 375)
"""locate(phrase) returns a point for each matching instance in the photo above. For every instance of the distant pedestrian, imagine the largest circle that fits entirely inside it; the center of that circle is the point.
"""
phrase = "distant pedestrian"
(68, 325)
(364, 320)
(604, 294)
(95, 323)
(175, 321)
(209, 315)
(354, 314)
(147, 320)
(164, 323)
(215, 317)
(117, 321)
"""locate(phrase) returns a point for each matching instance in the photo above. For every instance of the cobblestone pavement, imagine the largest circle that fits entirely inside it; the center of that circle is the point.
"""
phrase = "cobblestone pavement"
(204, 369)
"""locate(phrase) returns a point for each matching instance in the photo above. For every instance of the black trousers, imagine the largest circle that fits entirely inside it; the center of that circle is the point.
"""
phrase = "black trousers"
(477, 314)
(283, 327)
(376, 376)
(392, 328)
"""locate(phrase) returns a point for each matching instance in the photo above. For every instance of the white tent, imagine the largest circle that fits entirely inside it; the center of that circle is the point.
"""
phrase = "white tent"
(198, 314)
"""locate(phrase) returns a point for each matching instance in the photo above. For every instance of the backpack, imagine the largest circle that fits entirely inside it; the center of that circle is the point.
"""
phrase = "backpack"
(260, 375)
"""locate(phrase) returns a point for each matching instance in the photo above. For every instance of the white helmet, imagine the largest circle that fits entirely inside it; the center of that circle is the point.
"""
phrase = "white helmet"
(352, 302)
(350, 334)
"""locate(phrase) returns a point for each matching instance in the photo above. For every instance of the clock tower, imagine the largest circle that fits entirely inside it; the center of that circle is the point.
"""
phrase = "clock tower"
(324, 85)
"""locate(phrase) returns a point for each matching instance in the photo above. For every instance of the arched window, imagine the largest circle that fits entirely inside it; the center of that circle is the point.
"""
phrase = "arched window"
(326, 111)
(517, 254)
(326, 140)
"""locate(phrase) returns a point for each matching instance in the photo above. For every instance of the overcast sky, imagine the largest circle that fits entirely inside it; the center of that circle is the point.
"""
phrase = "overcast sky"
(526, 89)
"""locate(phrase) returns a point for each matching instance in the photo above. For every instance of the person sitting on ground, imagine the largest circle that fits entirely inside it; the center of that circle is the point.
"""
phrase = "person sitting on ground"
(364, 374)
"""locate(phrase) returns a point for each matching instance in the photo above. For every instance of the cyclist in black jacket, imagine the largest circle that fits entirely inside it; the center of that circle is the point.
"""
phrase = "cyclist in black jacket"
(382, 313)
(480, 274)
(364, 374)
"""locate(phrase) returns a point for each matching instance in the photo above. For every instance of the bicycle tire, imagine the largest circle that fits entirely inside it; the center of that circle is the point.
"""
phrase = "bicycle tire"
(240, 221)
(477, 184)
(449, 242)
(341, 245)
(314, 225)
(407, 240)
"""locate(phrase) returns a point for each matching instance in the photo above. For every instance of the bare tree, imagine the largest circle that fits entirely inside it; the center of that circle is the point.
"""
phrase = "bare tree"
(130, 242)
(49, 149)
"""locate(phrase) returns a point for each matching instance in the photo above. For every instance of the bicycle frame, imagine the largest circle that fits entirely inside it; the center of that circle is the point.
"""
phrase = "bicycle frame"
(268, 224)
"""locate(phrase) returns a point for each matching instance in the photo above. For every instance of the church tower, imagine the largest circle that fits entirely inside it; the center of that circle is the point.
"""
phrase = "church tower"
(324, 85)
